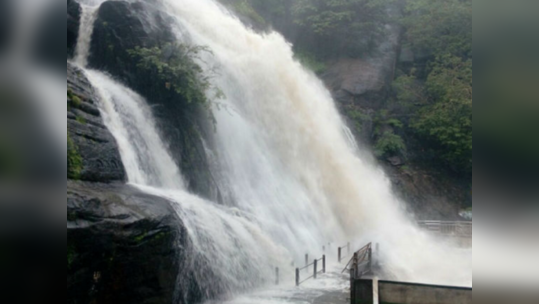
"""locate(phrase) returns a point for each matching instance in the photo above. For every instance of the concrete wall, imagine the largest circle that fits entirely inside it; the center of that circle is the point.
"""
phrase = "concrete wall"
(362, 291)
(408, 293)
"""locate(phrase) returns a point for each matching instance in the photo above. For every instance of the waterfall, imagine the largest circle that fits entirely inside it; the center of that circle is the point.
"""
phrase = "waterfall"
(294, 173)
(290, 159)
(128, 117)
(86, 28)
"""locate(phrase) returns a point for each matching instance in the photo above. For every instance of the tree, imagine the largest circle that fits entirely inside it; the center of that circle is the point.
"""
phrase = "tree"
(343, 26)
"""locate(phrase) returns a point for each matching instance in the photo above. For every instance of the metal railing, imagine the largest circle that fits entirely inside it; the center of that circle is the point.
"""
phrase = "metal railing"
(360, 265)
(361, 262)
(462, 229)
(339, 252)
(315, 269)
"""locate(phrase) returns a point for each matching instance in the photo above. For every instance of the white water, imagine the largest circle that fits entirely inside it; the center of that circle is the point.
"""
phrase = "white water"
(86, 28)
(129, 118)
(294, 173)
(291, 164)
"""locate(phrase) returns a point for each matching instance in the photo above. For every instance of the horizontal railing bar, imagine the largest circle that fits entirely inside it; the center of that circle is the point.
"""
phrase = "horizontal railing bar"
(306, 279)
(306, 266)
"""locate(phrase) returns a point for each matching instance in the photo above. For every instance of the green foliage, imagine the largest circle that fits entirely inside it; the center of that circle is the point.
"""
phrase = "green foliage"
(245, 8)
(310, 61)
(73, 99)
(74, 160)
(389, 144)
(409, 90)
(174, 67)
(347, 26)
(447, 120)
(70, 256)
(439, 95)
(81, 120)
(439, 26)
(383, 119)
(358, 118)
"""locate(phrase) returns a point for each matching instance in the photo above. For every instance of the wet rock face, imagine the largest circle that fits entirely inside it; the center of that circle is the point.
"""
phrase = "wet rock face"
(123, 25)
(122, 246)
(125, 246)
(93, 153)
(364, 80)
(73, 23)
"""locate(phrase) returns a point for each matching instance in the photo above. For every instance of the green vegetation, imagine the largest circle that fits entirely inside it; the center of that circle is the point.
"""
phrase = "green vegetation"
(358, 118)
(74, 160)
(245, 8)
(310, 61)
(174, 67)
(440, 94)
(389, 144)
(81, 120)
(70, 256)
(73, 99)
(347, 27)
(152, 238)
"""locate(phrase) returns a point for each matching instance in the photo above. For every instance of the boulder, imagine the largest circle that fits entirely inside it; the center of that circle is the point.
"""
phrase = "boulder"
(121, 26)
(126, 246)
(73, 23)
(122, 246)
(364, 80)
(92, 149)
(395, 161)
(124, 25)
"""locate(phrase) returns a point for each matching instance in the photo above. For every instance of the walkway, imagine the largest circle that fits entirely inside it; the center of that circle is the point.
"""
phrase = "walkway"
(330, 288)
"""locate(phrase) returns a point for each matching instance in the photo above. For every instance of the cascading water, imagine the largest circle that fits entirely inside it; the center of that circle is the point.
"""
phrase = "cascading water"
(86, 28)
(289, 157)
(294, 173)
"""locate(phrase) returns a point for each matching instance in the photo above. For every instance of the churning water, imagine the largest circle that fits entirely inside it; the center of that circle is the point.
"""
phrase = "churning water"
(293, 172)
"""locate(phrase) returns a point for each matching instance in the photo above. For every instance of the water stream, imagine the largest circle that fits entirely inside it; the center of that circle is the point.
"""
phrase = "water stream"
(295, 175)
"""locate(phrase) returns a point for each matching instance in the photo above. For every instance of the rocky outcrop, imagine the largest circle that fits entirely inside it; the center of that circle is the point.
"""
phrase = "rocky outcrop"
(126, 246)
(364, 80)
(122, 246)
(73, 23)
(123, 25)
(92, 150)
(430, 195)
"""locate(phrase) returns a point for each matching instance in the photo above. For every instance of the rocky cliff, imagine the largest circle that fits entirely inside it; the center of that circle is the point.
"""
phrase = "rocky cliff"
(124, 246)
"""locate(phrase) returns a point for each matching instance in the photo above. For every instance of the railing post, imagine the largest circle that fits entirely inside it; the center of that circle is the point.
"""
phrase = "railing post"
(297, 276)
(276, 275)
(339, 255)
(307, 262)
(352, 285)
(348, 248)
(324, 263)
(377, 253)
(315, 264)
(370, 260)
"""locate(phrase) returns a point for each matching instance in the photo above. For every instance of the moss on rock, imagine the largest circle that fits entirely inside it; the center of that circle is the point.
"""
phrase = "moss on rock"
(74, 160)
